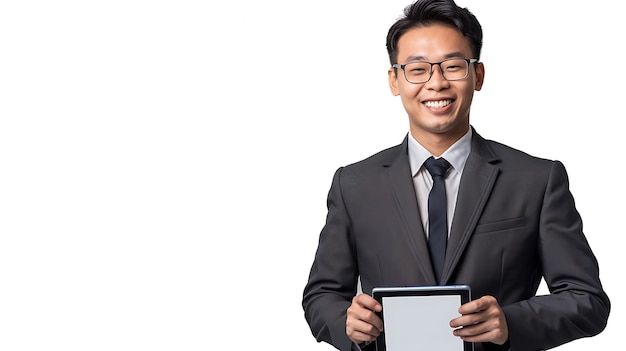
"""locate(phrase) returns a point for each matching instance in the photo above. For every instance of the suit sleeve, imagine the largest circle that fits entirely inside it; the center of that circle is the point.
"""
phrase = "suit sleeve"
(577, 305)
(333, 276)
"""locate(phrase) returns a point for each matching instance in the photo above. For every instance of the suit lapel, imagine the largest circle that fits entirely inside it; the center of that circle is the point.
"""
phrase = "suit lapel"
(479, 176)
(401, 184)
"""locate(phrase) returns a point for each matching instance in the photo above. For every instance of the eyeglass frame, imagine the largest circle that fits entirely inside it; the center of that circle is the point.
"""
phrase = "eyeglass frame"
(430, 74)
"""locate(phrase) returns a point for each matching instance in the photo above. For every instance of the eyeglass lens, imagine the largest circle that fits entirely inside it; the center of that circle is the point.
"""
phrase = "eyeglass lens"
(420, 72)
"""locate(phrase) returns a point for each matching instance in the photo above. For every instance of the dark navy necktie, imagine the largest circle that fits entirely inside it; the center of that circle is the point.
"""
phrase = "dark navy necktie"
(437, 213)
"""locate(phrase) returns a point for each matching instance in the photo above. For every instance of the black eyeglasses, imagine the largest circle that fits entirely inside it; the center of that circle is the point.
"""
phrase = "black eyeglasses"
(420, 71)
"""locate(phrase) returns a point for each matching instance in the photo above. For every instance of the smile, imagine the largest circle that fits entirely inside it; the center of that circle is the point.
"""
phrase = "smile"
(438, 104)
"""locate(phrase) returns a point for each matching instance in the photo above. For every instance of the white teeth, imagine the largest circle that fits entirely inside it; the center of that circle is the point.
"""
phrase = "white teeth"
(438, 104)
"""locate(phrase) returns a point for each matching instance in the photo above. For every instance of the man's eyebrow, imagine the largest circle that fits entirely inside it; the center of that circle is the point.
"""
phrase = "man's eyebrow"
(456, 54)
(415, 58)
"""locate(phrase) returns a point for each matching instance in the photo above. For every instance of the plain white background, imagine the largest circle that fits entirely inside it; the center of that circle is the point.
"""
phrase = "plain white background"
(164, 165)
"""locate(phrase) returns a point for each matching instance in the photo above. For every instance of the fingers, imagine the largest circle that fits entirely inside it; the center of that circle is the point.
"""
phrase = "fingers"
(362, 323)
(473, 312)
(361, 332)
(367, 302)
(481, 320)
(478, 305)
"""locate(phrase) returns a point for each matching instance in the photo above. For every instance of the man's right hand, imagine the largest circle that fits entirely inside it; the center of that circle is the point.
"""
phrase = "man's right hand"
(362, 323)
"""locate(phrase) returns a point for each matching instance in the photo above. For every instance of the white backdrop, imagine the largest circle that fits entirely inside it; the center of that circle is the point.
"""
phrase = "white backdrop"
(164, 165)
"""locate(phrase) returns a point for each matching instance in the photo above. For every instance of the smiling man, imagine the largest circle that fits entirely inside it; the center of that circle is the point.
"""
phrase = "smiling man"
(447, 206)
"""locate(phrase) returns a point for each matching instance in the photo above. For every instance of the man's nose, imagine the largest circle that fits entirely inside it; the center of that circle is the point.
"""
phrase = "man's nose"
(437, 80)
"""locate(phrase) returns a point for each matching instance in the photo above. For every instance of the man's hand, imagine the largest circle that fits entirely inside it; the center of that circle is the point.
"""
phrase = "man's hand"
(482, 320)
(362, 323)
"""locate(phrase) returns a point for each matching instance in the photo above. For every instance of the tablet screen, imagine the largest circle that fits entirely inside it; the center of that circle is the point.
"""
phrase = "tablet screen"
(417, 318)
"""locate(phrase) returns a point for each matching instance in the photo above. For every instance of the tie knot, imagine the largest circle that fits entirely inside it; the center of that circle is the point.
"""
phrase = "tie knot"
(437, 167)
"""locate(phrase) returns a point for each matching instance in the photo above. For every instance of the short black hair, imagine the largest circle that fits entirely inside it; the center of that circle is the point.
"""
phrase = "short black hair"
(426, 12)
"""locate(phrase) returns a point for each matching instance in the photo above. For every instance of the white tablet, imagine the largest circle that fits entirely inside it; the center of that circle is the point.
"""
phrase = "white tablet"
(418, 318)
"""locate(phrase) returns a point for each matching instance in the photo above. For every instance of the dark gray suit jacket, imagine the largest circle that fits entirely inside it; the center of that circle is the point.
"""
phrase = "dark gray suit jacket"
(515, 222)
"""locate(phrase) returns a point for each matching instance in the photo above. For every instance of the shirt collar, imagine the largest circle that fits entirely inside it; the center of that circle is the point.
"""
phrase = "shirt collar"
(456, 154)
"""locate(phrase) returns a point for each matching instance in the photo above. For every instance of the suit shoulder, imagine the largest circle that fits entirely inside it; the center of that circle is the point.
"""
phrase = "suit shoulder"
(506, 152)
(519, 163)
(369, 168)
(383, 157)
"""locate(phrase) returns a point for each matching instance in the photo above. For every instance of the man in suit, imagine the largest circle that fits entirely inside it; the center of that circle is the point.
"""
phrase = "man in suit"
(511, 218)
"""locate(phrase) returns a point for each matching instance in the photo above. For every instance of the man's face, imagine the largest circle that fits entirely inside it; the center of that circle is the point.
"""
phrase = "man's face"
(438, 107)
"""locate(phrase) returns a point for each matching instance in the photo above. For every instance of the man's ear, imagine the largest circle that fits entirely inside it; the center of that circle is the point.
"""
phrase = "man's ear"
(480, 75)
(393, 81)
